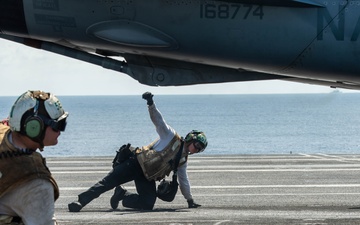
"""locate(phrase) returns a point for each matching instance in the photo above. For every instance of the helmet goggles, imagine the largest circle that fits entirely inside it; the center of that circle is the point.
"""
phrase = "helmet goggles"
(199, 146)
(57, 125)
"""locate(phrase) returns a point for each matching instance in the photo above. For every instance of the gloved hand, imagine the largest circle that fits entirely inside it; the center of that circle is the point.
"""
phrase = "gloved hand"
(148, 97)
(192, 204)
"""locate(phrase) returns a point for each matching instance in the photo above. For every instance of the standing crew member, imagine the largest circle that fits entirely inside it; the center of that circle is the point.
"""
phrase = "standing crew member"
(27, 189)
(145, 170)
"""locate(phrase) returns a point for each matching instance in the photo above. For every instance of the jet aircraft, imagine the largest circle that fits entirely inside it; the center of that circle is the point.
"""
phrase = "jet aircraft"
(184, 42)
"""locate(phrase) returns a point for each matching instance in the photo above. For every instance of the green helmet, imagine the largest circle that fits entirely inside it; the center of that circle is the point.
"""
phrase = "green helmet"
(198, 136)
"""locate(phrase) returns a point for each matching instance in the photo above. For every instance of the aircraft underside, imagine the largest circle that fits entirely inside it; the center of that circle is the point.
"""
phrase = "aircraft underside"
(163, 43)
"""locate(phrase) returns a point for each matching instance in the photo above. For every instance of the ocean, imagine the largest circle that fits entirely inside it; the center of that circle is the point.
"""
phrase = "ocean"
(234, 124)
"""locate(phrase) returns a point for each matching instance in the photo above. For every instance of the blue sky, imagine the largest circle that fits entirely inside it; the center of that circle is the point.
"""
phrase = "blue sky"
(24, 68)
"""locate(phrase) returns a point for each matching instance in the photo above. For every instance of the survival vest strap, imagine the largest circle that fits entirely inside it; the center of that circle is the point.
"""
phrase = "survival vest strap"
(177, 159)
(9, 154)
(167, 190)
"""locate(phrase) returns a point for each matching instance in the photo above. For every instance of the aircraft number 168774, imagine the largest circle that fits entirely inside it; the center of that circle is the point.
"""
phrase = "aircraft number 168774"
(230, 11)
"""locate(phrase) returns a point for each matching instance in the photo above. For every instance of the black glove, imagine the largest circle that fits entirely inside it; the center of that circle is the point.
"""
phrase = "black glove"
(148, 97)
(192, 204)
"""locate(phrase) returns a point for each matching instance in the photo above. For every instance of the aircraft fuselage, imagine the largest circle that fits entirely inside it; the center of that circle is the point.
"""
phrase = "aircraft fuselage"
(318, 41)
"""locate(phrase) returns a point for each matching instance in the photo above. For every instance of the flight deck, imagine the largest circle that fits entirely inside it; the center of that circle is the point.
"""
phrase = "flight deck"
(232, 189)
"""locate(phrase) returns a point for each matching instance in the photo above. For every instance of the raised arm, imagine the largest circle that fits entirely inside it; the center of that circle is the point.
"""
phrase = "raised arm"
(165, 132)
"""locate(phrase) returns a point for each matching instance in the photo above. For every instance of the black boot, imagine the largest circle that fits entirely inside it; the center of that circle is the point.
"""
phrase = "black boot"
(75, 207)
(117, 197)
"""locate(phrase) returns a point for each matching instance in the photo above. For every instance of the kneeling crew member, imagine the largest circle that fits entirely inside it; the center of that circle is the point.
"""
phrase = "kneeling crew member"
(145, 169)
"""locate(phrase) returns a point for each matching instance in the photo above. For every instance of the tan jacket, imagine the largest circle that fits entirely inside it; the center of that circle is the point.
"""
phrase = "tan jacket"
(16, 169)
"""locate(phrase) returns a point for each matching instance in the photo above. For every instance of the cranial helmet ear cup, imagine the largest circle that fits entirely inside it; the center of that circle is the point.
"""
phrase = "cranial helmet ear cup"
(33, 126)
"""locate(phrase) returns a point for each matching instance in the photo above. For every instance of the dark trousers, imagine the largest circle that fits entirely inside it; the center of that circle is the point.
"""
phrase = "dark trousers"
(124, 172)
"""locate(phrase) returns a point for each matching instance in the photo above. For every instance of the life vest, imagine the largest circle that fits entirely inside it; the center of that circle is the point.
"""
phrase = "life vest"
(17, 167)
(158, 164)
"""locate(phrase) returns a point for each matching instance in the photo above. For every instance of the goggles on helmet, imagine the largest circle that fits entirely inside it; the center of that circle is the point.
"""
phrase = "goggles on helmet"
(199, 147)
(59, 124)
